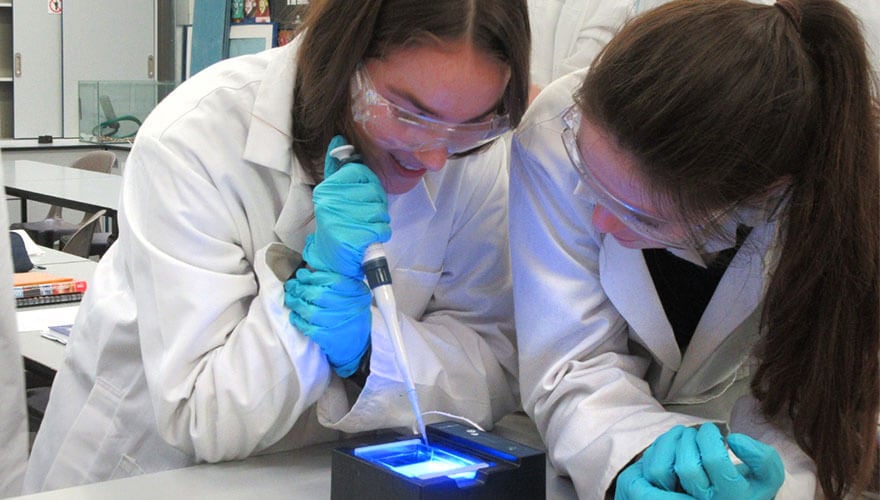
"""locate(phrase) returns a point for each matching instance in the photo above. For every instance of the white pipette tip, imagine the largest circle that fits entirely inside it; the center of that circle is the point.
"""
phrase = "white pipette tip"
(379, 279)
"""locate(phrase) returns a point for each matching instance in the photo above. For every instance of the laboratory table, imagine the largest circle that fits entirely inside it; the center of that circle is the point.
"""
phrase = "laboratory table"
(43, 356)
(51, 256)
(291, 475)
(68, 187)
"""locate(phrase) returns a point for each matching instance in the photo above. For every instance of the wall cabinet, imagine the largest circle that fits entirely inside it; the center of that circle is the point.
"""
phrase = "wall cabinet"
(36, 70)
(105, 40)
(50, 52)
(5, 69)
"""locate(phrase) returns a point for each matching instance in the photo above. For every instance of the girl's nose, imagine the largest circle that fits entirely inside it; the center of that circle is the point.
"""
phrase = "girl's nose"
(605, 221)
(432, 159)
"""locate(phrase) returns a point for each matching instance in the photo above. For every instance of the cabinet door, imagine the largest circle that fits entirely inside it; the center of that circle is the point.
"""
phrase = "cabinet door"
(105, 40)
(36, 47)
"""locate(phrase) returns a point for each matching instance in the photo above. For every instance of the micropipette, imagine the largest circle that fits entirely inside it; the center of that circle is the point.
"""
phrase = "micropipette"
(379, 278)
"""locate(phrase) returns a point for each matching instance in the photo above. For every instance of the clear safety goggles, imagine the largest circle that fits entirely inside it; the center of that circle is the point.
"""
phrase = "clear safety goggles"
(397, 128)
(667, 232)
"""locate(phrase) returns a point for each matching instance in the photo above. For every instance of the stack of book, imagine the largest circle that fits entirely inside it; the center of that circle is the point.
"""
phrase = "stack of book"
(36, 289)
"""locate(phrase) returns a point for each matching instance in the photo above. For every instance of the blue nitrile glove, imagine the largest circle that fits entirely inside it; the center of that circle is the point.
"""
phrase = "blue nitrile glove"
(659, 459)
(334, 312)
(706, 472)
(351, 212)
(632, 484)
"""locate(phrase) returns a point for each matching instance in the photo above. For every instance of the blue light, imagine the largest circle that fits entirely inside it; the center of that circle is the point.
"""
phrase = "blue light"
(414, 459)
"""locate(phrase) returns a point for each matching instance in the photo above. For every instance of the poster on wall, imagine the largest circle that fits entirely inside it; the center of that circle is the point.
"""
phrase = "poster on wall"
(251, 38)
(250, 11)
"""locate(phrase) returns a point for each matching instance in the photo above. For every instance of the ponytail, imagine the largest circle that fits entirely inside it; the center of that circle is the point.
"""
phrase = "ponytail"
(819, 354)
(797, 107)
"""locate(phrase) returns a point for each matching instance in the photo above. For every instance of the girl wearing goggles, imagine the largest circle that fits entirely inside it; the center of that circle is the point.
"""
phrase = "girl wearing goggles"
(695, 232)
(234, 316)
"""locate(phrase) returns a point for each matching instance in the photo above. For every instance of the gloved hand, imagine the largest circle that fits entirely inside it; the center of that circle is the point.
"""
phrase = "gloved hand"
(658, 460)
(333, 311)
(652, 476)
(351, 212)
(706, 472)
(633, 484)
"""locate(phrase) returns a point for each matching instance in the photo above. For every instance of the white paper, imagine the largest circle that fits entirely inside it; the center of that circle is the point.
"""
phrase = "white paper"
(40, 319)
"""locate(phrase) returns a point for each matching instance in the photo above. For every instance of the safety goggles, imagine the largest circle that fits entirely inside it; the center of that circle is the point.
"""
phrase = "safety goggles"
(397, 128)
(667, 232)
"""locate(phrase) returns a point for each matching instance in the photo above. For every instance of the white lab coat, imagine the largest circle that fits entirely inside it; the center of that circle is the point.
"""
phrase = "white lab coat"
(866, 11)
(13, 412)
(600, 371)
(182, 351)
(568, 34)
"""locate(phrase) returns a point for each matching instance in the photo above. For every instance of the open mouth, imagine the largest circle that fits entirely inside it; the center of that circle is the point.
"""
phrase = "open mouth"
(408, 168)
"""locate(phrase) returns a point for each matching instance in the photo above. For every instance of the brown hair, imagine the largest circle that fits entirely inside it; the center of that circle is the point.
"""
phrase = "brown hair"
(720, 100)
(339, 34)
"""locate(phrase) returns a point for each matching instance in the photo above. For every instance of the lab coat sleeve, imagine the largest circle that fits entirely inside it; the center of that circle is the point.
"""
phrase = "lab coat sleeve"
(579, 382)
(460, 342)
(596, 23)
(227, 374)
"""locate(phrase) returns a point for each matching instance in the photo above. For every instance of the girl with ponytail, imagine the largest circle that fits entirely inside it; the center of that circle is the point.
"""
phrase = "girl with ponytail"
(695, 225)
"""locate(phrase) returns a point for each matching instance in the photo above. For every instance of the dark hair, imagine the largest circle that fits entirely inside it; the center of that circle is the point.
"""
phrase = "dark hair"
(339, 34)
(720, 101)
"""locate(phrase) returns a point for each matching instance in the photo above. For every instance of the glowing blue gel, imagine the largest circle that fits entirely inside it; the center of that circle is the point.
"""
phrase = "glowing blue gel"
(412, 458)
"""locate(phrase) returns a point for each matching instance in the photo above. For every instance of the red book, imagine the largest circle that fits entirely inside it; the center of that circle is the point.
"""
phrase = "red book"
(56, 288)
(36, 288)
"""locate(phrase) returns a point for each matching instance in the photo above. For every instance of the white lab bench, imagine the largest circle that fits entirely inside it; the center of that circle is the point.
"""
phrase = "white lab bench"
(303, 474)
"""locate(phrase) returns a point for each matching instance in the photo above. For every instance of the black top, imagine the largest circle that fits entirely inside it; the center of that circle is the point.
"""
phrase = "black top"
(685, 289)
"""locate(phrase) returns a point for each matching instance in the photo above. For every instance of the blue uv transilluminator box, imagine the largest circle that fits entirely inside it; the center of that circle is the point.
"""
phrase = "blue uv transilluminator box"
(460, 462)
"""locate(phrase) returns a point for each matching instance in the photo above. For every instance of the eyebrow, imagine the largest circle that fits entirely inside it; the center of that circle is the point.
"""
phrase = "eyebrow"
(424, 108)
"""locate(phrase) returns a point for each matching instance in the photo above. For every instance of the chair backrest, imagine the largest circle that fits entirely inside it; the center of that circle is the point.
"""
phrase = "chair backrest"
(80, 242)
(96, 161)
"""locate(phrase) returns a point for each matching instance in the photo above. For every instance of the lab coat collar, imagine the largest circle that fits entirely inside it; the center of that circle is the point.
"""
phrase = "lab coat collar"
(627, 283)
(270, 132)
(739, 293)
(268, 144)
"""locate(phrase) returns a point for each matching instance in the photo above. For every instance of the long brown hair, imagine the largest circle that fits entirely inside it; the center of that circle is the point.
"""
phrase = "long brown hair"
(720, 100)
(339, 34)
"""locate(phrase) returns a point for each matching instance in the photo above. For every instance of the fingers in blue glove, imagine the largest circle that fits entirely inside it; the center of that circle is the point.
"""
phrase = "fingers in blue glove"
(764, 465)
(689, 466)
(333, 311)
(325, 299)
(633, 485)
(351, 212)
(658, 460)
(716, 459)
(706, 471)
